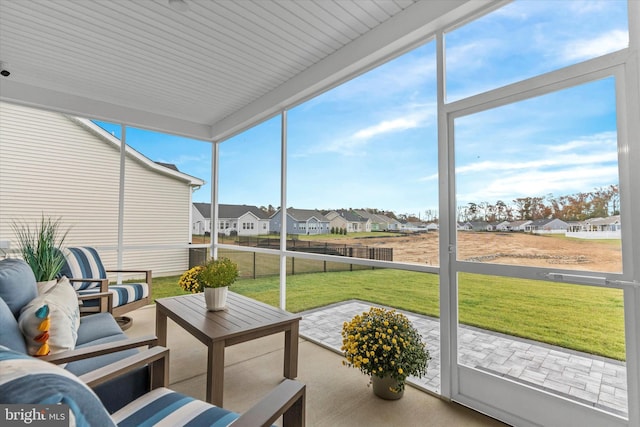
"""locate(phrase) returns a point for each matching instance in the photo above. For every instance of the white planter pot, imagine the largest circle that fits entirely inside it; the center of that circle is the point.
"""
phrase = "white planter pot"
(216, 298)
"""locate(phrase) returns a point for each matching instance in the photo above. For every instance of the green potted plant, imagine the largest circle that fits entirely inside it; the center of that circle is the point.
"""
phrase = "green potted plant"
(40, 248)
(214, 278)
(384, 344)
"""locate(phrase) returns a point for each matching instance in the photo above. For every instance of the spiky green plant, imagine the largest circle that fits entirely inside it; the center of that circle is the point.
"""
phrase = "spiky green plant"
(40, 246)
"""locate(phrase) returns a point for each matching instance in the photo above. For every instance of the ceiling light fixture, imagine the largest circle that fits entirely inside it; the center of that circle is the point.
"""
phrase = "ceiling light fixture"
(179, 5)
(3, 70)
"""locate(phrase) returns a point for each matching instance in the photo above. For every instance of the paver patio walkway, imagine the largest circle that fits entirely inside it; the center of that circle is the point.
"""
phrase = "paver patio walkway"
(593, 380)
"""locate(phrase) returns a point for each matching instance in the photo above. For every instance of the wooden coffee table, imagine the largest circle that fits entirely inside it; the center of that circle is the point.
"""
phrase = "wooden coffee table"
(244, 319)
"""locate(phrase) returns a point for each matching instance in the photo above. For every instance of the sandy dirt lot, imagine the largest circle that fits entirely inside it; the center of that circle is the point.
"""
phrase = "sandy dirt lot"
(504, 248)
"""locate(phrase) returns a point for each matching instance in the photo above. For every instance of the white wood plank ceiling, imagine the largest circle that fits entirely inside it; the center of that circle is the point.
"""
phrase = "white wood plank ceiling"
(208, 72)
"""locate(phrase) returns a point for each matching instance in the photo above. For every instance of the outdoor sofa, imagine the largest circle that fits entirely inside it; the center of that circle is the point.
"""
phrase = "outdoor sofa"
(80, 344)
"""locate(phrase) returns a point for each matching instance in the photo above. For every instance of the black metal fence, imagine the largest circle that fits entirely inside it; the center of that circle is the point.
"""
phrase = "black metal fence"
(253, 265)
(317, 247)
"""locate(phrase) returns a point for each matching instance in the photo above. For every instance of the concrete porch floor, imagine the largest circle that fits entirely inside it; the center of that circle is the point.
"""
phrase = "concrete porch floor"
(336, 395)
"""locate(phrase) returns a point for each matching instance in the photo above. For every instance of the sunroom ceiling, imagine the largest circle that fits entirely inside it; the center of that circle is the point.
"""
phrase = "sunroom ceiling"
(207, 72)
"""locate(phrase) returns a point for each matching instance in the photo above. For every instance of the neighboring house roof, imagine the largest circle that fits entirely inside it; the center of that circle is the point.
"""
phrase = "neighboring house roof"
(236, 211)
(230, 211)
(615, 219)
(305, 214)
(540, 222)
(519, 223)
(367, 215)
(351, 215)
(387, 219)
(478, 224)
(169, 165)
(204, 209)
(543, 222)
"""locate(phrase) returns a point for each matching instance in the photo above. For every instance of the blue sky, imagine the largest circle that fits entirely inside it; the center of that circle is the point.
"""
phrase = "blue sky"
(371, 142)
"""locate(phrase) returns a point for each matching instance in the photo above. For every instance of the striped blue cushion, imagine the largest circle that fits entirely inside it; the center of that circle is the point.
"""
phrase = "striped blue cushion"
(28, 380)
(83, 262)
(122, 294)
(172, 409)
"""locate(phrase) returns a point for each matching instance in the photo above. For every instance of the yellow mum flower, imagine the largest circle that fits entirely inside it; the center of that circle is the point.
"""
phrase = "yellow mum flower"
(383, 342)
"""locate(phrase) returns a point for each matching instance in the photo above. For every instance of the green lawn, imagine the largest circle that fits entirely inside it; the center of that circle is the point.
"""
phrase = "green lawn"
(586, 242)
(582, 318)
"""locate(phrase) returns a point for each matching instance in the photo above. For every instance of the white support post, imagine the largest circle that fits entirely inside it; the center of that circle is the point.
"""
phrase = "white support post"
(121, 190)
(215, 151)
(448, 300)
(283, 211)
(629, 129)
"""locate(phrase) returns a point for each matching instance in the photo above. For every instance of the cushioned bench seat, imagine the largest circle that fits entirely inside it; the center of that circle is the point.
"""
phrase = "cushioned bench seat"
(163, 404)
(122, 294)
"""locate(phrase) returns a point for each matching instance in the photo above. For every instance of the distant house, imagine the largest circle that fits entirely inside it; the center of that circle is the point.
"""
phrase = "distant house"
(611, 223)
(301, 221)
(481, 226)
(243, 220)
(464, 226)
(433, 226)
(519, 225)
(76, 165)
(596, 228)
(380, 222)
(388, 223)
(349, 220)
(376, 223)
(542, 226)
(576, 226)
(413, 226)
(501, 226)
(201, 218)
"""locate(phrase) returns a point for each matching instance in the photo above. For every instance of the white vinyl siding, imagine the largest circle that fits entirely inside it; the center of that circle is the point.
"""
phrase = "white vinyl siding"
(156, 212)
(51, 164)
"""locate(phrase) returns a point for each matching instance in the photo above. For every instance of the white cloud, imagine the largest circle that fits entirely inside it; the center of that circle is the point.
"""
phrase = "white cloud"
(578, 165)
(386, 126)
(606, 43)
(597, 142)
(589, 6)
(540, 183)
(416, 116)
(556, 161)
(431, 177)
(416, 69)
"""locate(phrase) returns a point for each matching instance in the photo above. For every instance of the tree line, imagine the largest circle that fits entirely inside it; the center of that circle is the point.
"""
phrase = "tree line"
(601, 202)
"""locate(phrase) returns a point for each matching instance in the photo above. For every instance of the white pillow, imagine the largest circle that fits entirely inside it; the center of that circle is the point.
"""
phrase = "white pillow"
(50, 321)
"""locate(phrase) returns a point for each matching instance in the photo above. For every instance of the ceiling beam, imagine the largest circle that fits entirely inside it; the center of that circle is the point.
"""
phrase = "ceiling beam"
(47, 99)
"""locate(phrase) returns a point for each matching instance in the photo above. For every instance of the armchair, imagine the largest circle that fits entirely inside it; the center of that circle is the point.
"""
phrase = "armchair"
(84, 269)
(22, 381)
